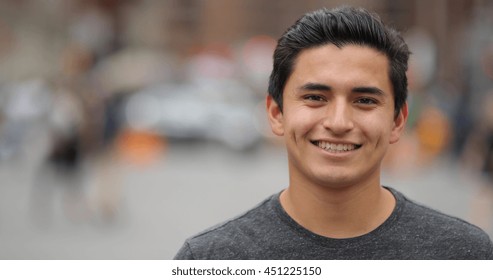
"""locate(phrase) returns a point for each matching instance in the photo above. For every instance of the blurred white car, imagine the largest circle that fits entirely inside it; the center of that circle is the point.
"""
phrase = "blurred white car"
(223, 111)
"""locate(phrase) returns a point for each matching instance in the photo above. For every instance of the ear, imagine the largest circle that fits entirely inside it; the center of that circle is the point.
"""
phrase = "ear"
(275, 116)
(399, 124)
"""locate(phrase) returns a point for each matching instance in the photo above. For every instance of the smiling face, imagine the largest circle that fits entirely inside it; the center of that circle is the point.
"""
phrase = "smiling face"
(338, 116)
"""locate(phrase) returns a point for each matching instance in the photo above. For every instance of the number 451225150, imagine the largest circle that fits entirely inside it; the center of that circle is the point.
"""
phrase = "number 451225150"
(292, 270)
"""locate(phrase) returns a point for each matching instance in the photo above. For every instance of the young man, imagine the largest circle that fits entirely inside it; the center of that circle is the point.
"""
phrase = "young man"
(337, 94)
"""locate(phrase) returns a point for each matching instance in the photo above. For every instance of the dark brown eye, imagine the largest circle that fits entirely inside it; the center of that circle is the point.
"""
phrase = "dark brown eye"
(314, 98)
(366, 101)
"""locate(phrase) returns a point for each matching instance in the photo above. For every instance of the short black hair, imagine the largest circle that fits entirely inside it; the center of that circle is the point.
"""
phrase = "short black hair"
(341, 26)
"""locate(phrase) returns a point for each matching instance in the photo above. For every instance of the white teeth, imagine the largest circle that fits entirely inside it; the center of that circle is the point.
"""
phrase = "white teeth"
(335, 147)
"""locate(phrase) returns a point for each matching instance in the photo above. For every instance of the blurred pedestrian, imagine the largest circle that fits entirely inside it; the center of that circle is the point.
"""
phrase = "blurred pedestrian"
(61, 172)
(478, 157)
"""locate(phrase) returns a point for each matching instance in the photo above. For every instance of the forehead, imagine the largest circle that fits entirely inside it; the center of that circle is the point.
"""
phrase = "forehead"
(350, 64)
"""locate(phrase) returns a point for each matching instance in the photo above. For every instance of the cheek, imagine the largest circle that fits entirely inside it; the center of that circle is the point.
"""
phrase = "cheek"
(302, 121)
(376, 128)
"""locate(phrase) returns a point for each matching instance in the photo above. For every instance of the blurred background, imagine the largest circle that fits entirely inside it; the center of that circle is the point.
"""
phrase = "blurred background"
(127, 126)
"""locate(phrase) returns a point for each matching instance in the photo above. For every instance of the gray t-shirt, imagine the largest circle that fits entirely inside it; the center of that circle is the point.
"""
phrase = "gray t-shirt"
(411, 232)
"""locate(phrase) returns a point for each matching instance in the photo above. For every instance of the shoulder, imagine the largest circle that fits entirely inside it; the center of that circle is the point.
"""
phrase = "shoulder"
(232, 238)
(434, 220)
(445, 233)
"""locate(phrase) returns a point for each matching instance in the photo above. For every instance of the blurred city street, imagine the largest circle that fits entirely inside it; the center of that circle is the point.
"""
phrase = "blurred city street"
(128, 126)
(191, 187)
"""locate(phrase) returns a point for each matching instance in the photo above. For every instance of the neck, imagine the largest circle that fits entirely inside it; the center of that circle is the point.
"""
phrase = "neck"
(341, 212)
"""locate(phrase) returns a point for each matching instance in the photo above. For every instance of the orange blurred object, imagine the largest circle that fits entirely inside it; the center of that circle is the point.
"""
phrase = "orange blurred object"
(140, 147)
(433, 130)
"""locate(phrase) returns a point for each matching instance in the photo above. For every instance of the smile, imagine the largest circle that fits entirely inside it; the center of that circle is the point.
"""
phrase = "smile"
(336, 148)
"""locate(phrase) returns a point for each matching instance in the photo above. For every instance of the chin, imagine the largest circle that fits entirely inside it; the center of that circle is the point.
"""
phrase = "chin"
(336, 181)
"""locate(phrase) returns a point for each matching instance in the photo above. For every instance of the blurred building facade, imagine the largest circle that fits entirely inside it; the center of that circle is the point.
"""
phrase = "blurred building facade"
(180, 25)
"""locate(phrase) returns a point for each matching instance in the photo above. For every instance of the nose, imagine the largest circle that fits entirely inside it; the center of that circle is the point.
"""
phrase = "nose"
(338, 117)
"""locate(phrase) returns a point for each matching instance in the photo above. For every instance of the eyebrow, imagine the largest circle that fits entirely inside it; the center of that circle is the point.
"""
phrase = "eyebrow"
(324, 87)
(372, 90)
(316, 87)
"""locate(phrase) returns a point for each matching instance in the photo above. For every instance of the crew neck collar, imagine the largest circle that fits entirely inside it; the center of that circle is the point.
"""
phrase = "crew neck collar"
(335, 242)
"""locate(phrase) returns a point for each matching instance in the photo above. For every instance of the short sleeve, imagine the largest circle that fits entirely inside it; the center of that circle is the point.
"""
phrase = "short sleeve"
(185, 253)
(490, 255)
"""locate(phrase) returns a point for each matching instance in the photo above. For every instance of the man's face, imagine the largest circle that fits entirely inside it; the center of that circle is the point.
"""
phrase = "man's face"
(338, 116)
